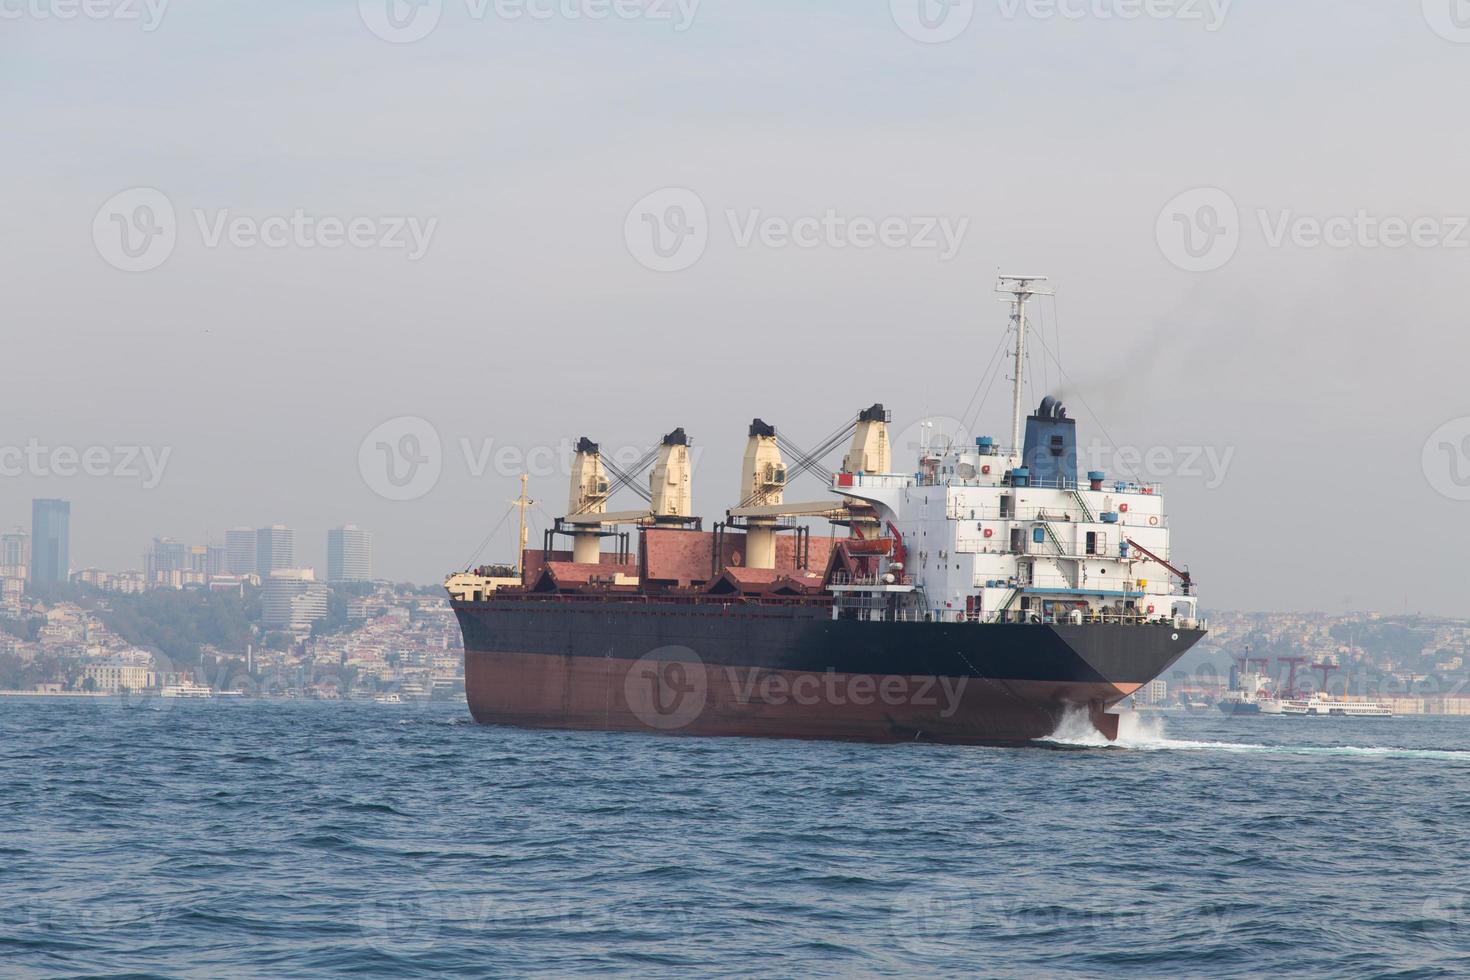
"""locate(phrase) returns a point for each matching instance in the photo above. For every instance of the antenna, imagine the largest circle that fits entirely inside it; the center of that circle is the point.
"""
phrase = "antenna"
(1019, 289)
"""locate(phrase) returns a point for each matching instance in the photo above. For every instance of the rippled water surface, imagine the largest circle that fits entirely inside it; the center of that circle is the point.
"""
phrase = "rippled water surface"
(255, 838)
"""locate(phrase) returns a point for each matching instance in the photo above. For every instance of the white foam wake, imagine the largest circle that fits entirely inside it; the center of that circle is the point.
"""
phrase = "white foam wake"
(1146, 733)
(1134, 732)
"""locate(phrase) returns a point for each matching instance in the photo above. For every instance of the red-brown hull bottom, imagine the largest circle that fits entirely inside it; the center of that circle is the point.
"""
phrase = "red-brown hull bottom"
(603, 694)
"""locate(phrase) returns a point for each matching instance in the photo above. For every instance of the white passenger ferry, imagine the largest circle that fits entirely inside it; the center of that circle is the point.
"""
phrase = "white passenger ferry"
(188, 689)
(1322, 706)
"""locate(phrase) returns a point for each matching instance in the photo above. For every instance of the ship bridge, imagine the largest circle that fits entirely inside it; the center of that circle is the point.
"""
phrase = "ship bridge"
(993, 534)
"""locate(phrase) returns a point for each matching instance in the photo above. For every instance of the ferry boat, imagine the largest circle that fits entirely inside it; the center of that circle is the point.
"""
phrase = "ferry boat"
(1321, 706)
(976, 594)
(188, 689)
(388, 699)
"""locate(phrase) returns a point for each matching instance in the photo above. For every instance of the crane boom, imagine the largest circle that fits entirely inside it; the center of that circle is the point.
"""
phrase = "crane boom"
(1183, 575)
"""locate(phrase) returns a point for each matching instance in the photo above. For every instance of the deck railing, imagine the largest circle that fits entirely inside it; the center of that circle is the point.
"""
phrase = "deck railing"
(1050, 515)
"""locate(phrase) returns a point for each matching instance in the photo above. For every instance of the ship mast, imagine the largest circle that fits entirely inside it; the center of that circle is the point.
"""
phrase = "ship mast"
(523, 503)
(1019, 289)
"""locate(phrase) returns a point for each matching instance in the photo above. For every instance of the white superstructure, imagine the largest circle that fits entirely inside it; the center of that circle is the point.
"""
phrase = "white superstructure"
(993, 534)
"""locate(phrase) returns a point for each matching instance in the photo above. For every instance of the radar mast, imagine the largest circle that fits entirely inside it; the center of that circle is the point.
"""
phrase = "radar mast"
(1020, 290)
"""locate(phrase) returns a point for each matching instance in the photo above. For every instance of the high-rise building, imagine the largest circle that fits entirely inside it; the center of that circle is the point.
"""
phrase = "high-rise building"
(175, 564)
(275, 550)
(240, 550)
(293, 599)
(15, 554)
(50, 542)
(165, 558)
(349, 554)
(1155, 693)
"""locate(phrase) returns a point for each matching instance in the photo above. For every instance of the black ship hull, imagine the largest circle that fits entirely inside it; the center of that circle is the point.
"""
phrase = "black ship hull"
(710, 668)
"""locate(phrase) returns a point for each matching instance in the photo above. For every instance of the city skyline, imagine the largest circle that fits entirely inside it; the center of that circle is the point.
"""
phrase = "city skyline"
(347, 552)
(217, 559)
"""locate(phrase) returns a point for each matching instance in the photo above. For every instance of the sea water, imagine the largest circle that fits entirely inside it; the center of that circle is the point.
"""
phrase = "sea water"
(203, 839)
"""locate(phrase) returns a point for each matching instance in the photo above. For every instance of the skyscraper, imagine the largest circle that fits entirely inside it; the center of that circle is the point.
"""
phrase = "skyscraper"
(349, 554)
(166, 557)
(50, 542)
(275, 549)
(240, 550)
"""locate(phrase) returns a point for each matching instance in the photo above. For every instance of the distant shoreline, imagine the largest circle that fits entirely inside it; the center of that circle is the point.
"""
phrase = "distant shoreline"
(140, 695)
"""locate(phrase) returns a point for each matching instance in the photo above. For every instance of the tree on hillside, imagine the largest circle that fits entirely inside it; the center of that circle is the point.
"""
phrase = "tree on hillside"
(178, 623)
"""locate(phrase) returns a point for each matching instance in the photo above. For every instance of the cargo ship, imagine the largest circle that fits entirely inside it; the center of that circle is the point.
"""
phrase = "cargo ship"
(976, 594)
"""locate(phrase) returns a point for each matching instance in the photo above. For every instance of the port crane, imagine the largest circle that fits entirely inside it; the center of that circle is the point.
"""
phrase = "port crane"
(1292, 663)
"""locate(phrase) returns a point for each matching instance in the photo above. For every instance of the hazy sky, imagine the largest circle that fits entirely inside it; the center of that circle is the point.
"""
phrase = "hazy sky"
(1304, 379)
